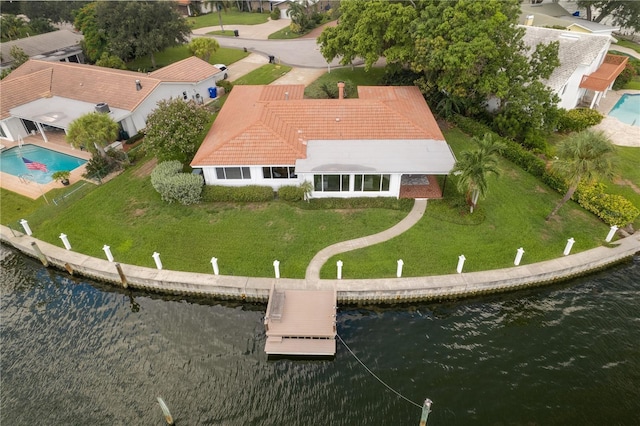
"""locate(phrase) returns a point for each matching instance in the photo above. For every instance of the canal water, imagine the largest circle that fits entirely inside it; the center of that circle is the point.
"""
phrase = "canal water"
(76, 352)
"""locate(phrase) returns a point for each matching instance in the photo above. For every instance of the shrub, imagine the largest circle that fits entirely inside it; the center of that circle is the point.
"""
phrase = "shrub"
(275, 14)
(167, 179)
(250, 193)
(625, 76)
(291, 193)
(578, 119)
(226, 85)
(612, 209)
(99, 166)
(402, 204)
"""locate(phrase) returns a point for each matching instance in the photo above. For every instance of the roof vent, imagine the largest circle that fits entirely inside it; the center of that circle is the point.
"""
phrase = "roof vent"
(138, 85)
(103, 107)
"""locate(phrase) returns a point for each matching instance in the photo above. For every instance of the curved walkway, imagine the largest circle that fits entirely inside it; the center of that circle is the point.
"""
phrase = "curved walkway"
(313, 270)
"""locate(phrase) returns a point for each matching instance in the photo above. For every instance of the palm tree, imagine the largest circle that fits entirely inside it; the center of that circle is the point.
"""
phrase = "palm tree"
(474, 166)
(584, 155)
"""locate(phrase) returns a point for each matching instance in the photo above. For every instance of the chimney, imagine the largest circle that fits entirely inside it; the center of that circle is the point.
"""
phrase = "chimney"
(529, 20)
(340, 90)
(138, 85)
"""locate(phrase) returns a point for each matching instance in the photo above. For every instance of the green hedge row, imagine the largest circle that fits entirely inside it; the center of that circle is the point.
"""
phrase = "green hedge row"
(173, 185)
(575, 120)
(291, 193)
(612, 209)
(390, 203)
(251, 193)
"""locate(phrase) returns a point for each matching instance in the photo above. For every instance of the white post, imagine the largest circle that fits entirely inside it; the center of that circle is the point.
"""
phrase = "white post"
(339, 265)
(156, 257)
(214, 263)
(65, 241)
(461, 260)
(107, 251)
(26, 226)
(611, 233)
(276, 268)
(567, 249)
(399, 269)
(518, 256)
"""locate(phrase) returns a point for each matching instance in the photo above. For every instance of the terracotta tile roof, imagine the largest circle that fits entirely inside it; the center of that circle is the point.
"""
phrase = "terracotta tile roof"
(89, 83)
(257, 126)
(190, 69)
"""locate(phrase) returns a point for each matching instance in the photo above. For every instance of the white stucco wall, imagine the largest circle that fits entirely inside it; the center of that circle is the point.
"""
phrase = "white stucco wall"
(13, 129)
(211, 178)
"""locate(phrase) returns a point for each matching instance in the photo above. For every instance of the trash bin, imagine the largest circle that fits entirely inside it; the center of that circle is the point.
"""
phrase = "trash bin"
(272, 59)
(236, 33)
(213, 92)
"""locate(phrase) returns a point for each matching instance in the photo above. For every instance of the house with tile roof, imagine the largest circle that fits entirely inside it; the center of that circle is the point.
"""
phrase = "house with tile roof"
(41, 96)
(385, 143)
(586, 70)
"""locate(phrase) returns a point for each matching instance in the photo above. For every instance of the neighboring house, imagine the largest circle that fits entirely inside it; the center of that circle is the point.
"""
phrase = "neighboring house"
(386, 142)
(57, 46)
(554, 15)
(586, 71)
(42, 96)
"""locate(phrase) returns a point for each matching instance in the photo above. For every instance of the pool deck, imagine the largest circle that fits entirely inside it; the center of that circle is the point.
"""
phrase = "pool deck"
(620, 133)
(34, 190)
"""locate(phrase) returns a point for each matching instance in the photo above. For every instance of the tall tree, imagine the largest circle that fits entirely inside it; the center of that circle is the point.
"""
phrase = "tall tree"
(467, 52)
(370, 30)
(11, 26)
(93, 131)
(139, 28)
(623, 13)
(95, 41)
(584, 155)
(474, 166)
(203, 47)
(174, 130)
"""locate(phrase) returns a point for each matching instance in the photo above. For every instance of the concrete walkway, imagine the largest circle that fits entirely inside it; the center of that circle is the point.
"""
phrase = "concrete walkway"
(313, 270)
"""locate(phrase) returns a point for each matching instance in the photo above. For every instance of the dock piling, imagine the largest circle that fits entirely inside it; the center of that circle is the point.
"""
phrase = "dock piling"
(39, 253)
(426, 409)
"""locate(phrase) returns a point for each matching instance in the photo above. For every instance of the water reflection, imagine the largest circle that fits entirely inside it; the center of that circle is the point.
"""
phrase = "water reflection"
(79, 352)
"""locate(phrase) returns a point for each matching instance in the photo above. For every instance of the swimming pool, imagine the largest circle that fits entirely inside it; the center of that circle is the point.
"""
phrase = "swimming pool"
(11, 161)
(627, 109)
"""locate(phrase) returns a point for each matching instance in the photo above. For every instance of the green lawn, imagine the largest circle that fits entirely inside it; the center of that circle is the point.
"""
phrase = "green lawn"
(286, 34)
(512, 216)
(627, 180)
(266, 74)
(229, 17)
(128, 215)
(174, 54)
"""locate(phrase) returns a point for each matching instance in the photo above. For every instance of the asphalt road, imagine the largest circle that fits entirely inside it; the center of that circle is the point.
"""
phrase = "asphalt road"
(301, 53)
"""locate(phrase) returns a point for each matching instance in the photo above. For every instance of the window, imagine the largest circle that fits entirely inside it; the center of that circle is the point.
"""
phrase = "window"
(280, 172)
(233, 173)
(331, 183)
(371, 182)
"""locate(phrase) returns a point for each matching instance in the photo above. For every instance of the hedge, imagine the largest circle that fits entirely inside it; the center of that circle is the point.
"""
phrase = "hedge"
(173, 185)
(291, 193)
(575, 120)
(612, 209)
(250, 193)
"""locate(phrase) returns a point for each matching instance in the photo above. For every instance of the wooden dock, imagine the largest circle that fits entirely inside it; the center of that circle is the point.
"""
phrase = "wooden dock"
(301, 322)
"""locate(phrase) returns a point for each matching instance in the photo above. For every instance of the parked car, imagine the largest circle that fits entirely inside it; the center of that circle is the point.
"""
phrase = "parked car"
(222, 68)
